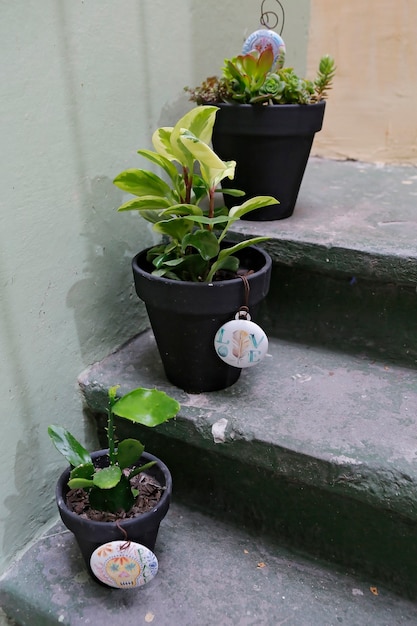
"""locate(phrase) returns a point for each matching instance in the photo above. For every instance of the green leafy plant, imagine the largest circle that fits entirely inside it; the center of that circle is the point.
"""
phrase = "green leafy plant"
(254, 78)
(109, 488)
(183, 210)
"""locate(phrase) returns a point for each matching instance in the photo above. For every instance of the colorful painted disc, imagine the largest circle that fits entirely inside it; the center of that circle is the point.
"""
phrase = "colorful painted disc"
(124, 565)
(241, 343)
(262, 39)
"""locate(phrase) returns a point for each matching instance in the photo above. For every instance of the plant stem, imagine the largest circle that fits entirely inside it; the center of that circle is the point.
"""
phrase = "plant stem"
(188, 180)
(211, 205)
(140, 469)
(110, 431)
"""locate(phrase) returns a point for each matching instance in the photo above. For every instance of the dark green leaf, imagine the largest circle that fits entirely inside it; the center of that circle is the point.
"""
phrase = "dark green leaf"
(240, 246)
(113, 500)
(142, 183)
(176, 228)
(231, 192)
(149, 407)
(85, 471)
(80, 483)
(142, 468)
(230, 263)
(183, 209)
(162, 161)
(250, 205)
(129, 452)
(210, 221)
(67, 445)
(146, 203)
(204, 241)
(191, 267)
(165, 271)
(107, 477)
(165, 259)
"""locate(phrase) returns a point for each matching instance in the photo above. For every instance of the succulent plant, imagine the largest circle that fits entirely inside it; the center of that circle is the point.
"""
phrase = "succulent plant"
(254, 78)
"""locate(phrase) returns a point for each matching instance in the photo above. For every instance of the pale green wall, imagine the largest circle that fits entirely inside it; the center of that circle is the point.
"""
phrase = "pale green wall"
(84, 83)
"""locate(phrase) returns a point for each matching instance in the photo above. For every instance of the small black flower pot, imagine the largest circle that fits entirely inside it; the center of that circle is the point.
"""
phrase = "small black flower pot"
(143, 529)
(271, 145)
(185, 317)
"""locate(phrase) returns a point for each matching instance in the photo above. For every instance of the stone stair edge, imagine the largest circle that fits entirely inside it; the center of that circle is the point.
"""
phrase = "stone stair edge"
(352, 218)
(375, 485)
(267, 583)
(208, 424)
(336, 258)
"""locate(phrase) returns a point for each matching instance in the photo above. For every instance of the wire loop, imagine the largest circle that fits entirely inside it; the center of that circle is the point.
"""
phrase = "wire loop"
(271, 19)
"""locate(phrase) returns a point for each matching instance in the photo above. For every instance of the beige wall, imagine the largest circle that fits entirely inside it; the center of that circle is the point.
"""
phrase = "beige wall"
(372, 112)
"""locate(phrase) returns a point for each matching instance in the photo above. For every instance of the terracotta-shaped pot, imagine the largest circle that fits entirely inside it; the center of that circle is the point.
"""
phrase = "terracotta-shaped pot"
(185, 317)
(271, 145)
(143, 529)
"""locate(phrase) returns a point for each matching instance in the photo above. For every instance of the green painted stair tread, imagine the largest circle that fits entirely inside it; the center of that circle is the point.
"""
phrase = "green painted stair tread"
(210, 572)
(314, 447)
(337, 422)
(351, 218)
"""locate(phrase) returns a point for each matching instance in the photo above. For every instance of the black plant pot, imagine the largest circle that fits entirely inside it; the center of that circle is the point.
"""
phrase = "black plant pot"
(185, 317)
(142, 529)
(271, 145)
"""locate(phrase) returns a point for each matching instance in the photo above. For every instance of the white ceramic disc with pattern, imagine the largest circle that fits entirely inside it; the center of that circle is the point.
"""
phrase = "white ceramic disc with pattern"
(124, 565)
(241, 343)
(262, 39)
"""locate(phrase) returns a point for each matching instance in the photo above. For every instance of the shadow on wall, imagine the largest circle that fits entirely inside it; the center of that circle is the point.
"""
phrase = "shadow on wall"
(34, 476)
(103, 299)
(173, 111)
(106, 309)
(17, 532)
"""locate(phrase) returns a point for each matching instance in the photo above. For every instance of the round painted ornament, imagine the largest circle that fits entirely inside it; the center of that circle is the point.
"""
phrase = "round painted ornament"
(124, 565)
(240, 342)
(262, 39)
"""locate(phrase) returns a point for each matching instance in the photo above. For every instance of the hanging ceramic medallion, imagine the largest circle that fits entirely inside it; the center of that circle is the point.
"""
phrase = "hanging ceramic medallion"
(240, 342)
(262, 39)
(124, 564)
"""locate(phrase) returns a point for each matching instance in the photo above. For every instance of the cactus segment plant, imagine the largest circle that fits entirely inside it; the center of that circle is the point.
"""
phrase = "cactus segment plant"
(109, 488)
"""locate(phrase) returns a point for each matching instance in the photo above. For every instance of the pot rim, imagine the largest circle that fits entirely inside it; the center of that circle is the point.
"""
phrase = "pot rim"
(61, 490)
(201, 285)
(274, 105)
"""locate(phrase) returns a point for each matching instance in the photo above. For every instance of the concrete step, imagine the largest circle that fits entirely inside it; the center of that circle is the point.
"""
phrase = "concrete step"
(312, 447)
(210, 572)
(351, 218)
(351, 315)
(345, 264)
(315, 449)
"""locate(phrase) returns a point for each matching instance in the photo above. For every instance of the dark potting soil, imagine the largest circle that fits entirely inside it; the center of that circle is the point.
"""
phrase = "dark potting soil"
(150, 492)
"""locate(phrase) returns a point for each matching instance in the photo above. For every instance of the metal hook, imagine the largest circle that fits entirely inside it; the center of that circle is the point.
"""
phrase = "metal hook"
(267, 16)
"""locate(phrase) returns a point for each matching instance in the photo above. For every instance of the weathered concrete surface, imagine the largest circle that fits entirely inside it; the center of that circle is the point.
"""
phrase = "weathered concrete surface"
(209, 573)
(301, 408)
(349, 314)
(315, 447)
(358, 219)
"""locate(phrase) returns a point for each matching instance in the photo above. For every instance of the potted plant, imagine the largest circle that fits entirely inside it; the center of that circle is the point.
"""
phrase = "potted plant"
(194, 281)
(117, 495)
(267, 120)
